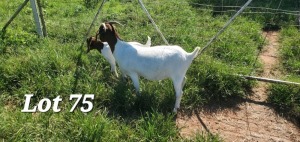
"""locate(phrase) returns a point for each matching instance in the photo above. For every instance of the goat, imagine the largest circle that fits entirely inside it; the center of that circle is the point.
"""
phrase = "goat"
(155, 63)
(104, 49)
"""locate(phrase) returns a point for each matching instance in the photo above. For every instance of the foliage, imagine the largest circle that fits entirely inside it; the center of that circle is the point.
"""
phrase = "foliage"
(290, 50)
(286, 98)
(270, 18)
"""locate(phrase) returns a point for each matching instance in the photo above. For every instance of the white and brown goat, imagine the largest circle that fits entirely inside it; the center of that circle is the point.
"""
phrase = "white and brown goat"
(104, 49)
(155, 63)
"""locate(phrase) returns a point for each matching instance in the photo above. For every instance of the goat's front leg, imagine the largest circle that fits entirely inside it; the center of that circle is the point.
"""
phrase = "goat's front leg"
(115, 71)
(113, 67)
(135, 79)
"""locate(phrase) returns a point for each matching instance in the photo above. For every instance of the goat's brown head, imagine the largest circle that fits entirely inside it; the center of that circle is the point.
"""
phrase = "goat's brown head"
(108, 34)
(93, 43)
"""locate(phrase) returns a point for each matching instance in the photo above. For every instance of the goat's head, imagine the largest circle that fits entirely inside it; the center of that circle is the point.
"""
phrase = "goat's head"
(108, 34)
(107, 31)
(93, 43)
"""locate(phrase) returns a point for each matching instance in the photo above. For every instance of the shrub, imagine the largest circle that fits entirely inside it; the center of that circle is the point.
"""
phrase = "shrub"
(286, 98)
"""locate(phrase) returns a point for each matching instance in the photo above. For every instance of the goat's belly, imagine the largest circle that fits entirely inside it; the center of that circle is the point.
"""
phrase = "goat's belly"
(155, 76)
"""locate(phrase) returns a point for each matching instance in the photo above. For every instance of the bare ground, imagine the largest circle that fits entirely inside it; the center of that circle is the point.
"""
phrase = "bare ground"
(253, 119)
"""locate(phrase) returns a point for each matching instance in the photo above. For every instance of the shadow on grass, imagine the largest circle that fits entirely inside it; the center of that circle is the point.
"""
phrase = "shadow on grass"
(125, 103)
(285, 101)
(2, 34)
(285, 113)
(77, 70)
(214, 106)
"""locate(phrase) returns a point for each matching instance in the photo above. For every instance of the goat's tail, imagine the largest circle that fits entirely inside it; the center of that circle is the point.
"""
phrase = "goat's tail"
(195, 52)
(148, 43)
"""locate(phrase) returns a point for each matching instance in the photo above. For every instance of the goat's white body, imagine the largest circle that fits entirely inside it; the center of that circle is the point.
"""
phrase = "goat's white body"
(107, 54)
(155, 63)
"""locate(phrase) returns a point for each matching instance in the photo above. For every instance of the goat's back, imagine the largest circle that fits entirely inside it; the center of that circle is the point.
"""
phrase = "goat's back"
(154, 63)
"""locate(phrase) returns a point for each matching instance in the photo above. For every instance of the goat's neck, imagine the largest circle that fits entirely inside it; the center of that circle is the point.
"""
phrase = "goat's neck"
(99, 46)
(112, 43)
(99, 50)
(121, 44)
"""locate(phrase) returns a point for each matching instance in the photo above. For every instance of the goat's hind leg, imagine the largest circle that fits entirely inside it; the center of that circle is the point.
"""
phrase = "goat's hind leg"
(178, 84)
(135, 79)
(183, 82)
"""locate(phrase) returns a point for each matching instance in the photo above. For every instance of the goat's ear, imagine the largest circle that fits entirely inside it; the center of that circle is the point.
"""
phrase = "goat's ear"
(102, 28)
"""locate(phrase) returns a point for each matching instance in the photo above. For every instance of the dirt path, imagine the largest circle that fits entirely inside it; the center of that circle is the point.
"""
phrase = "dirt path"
(252, 120)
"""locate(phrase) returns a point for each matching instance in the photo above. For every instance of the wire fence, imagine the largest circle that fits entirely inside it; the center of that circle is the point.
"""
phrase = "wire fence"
(249, 7)
(254, 10)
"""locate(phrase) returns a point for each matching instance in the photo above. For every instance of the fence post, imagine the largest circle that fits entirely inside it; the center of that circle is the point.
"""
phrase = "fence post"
(36, 17)
(42, 17)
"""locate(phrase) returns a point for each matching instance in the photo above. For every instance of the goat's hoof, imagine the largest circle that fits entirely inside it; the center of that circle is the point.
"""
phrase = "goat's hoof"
(138, 94)
(175, 110)
(116, 74)
(124, 79)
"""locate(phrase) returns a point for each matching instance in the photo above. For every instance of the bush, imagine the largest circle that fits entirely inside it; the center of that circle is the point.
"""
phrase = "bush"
(290, 50)
(286, 98)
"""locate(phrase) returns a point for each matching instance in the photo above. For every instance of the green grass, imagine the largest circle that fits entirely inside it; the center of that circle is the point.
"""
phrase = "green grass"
(290, 50)
(58, 65)
(286, 98)
(262, 13)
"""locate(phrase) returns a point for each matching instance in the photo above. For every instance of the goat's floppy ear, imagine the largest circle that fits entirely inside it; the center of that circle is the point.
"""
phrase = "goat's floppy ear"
(102, 29)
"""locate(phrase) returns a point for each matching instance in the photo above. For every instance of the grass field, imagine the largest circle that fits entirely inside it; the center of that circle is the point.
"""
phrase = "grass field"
(58, 65)
(286, 98)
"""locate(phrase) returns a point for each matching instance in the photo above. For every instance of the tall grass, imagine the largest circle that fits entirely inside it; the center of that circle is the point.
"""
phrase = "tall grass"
(290, 50)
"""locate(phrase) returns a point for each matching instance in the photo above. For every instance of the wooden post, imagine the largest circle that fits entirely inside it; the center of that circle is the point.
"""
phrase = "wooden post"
(15, 15)
(36, 17)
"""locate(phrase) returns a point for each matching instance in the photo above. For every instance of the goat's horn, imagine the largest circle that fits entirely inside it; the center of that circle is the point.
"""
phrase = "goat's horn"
(115, 22)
